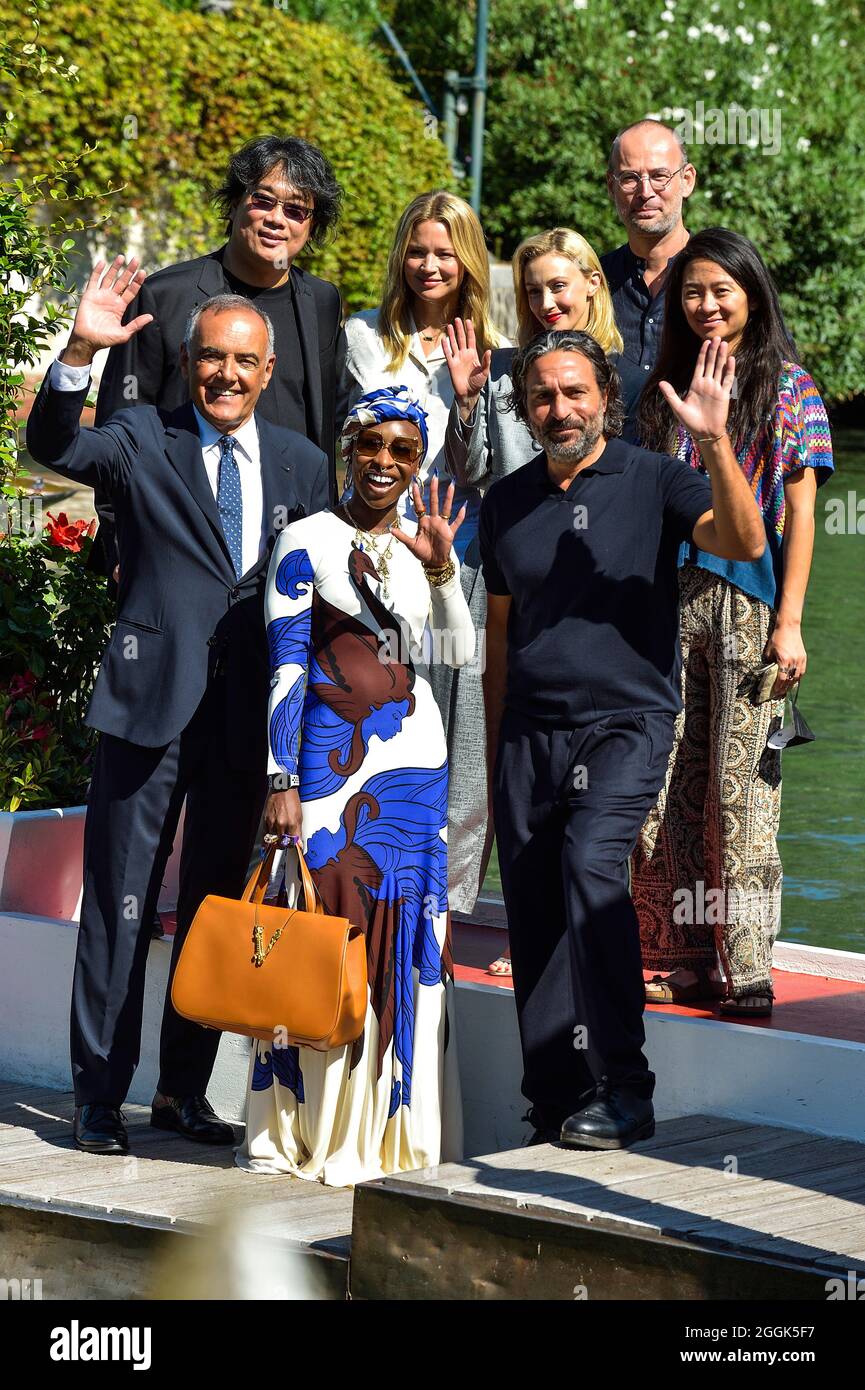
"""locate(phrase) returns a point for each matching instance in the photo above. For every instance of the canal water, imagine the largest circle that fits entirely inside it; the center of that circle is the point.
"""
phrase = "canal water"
(822, 840)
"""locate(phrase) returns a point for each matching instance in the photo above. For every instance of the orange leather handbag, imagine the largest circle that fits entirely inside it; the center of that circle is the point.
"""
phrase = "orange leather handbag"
(249, 967)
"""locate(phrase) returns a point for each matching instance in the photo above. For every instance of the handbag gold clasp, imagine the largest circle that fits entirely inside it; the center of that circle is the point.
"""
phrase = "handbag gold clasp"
(259, 951)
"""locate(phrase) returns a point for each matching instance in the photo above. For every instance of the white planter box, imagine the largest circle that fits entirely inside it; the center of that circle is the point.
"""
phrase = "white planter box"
(41, 857)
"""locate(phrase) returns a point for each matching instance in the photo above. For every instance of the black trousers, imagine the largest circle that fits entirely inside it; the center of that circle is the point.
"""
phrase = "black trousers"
(133, 808)
(569, 804)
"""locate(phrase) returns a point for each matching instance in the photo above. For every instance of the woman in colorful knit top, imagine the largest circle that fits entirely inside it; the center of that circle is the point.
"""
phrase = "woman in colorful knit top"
(706, 875)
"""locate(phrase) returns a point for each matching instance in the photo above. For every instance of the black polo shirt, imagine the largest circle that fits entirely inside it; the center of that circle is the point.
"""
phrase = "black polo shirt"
(639, 313)
(592, 571)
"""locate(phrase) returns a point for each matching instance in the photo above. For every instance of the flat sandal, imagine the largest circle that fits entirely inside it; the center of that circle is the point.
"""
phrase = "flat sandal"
(703, 988)
(732, 1007)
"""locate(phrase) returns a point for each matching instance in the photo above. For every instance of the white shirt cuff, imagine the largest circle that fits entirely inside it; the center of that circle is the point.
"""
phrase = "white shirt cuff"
(64, 377)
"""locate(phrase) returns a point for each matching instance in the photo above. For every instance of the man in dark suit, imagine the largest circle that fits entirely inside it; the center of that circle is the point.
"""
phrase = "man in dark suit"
(278, 194)
(181, 696)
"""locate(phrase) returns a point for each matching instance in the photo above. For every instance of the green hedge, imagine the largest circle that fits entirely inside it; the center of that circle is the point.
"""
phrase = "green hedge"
(165, 97)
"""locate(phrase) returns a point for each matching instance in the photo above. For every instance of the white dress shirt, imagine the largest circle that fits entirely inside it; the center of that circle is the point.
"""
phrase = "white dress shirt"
(64, 377)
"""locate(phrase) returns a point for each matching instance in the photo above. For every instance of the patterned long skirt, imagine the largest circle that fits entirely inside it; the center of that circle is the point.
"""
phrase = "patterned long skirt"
(460, 698)
(706, 874)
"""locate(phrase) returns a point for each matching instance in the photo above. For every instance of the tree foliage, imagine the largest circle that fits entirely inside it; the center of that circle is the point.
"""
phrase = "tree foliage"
(165, 96)
(565, 75)
(34, 244)
(55, 616)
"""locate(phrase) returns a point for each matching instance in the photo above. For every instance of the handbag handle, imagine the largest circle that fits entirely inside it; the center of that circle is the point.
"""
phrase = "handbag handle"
(257, 886)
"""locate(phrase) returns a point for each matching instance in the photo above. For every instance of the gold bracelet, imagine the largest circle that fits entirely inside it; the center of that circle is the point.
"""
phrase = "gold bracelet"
(710, 438)
(440, 575)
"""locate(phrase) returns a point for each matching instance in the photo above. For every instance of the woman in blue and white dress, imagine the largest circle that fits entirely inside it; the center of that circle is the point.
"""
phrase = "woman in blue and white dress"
(352, 720)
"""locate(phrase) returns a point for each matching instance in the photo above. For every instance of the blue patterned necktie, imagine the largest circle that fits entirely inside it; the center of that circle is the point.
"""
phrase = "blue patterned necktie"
(229, 502)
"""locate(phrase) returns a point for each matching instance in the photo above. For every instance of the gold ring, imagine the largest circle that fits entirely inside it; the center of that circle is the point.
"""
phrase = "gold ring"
(421, 513)
(270, 839)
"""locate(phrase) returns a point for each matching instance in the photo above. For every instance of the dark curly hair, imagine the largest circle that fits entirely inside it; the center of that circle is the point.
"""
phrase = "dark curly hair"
(569, 340)
(301, 164)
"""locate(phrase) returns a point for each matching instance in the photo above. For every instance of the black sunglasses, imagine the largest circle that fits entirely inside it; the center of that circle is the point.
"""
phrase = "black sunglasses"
(791, 734)
(295, 212)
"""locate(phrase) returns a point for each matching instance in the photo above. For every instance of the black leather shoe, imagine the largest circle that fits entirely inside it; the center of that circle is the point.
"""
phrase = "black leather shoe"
(194, 1118)
(614, 1119)
(99, 1129)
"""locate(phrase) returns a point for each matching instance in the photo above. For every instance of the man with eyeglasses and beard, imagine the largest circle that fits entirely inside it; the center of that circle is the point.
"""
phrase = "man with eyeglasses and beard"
(649, 178)
(278, 195)
(581, 690)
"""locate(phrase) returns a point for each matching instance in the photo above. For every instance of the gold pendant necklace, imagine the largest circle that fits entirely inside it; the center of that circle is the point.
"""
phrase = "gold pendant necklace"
(366, 540)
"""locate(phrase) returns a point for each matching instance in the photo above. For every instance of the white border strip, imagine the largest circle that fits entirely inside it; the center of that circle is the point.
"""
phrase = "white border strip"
(819, 960)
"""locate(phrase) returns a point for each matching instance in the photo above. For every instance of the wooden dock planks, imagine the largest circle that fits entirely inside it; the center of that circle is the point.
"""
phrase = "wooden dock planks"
(708, 1208)
(57, 1203)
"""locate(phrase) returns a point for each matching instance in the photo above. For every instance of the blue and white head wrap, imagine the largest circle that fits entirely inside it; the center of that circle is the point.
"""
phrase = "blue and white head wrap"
(385, 403)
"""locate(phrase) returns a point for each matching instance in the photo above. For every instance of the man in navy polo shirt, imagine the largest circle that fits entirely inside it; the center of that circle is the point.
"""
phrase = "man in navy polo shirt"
(581, 690)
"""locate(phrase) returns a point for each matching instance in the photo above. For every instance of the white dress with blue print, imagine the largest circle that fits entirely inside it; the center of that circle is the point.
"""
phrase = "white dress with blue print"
(352, 712)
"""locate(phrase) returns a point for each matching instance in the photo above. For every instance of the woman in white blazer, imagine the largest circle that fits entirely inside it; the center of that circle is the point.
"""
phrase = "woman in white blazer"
(438, 270)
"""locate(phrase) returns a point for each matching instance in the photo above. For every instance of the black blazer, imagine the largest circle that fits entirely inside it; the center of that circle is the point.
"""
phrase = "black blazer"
(182, 613)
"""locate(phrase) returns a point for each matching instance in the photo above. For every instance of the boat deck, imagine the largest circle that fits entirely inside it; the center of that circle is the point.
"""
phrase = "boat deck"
(815, 1005)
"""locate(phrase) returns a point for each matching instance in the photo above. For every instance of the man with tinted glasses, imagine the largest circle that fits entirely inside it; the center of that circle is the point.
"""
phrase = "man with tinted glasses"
(649, 178)
(278, 194)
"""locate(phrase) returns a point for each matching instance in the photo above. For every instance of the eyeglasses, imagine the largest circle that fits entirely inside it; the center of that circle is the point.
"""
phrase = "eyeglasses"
(295, 212)
(369, 444)
(659, 178)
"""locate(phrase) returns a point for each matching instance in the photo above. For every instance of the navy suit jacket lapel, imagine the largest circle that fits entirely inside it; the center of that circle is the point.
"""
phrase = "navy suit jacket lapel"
(307, 329)
(277, 484)
(183, 450)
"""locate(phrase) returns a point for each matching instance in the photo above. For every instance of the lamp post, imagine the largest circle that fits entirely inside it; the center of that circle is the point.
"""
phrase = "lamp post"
(479, 83)
(455, 104)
